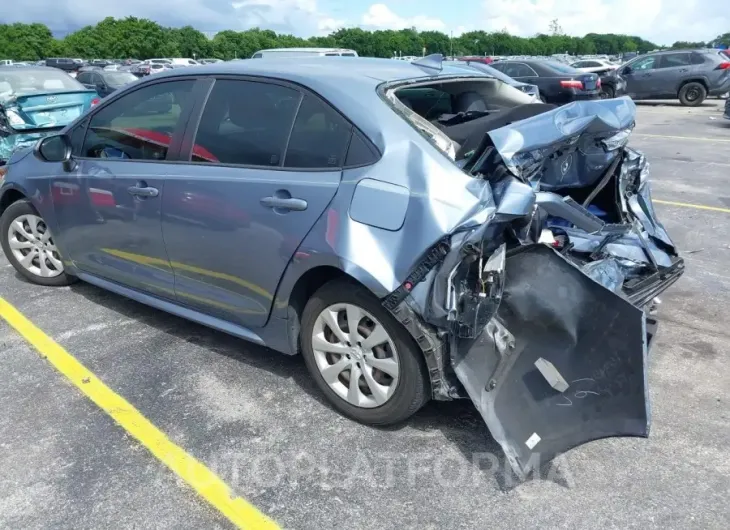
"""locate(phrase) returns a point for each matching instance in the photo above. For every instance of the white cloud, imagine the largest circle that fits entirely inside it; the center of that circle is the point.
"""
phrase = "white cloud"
(661, 21)
(379, 16)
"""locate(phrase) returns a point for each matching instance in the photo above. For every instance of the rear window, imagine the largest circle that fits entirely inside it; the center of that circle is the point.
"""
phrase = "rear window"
(562, 68)
(29, 81)
(427, 102)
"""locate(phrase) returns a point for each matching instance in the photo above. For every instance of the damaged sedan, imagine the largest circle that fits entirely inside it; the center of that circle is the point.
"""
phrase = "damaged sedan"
(415, 230)
(35, 101)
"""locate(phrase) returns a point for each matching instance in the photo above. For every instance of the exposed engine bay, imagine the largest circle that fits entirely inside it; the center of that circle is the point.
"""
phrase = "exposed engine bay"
(545, 308)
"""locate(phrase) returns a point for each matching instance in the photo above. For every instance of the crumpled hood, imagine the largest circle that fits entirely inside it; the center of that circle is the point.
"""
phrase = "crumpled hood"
(570, 146)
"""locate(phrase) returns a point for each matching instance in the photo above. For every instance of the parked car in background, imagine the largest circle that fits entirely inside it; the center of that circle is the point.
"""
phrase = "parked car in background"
(476, 59)
(68, 65)
(558, 83)
(145, 69)
(687, 75)
(210, 61)
(402, 266)
(35, 101)
(530, 90)
(6, 62)
(304, 52)
(180, 62)
(105, 82)
(101, 62)
(594, 66)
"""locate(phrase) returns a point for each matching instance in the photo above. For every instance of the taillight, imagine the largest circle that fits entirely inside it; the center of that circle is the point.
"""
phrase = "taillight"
(724, 66)
(3, 171)
(598, 83)
(95, 102)
(572, 83)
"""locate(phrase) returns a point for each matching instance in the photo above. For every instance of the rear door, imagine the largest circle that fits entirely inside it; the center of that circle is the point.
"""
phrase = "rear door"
(260, 166)
(108, 208)
(672, 69)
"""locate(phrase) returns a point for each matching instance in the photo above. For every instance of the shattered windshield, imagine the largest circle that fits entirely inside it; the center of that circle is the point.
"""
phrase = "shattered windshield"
(25, 81)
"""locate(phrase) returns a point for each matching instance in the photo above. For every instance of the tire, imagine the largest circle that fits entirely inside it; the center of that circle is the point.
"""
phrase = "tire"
(607, 92)
(692, 94)
(411, 389)
(55, 274)
(542, 98)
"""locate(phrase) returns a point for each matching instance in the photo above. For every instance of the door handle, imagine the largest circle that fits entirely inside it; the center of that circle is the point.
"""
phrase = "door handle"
(284, 203)
(143, 191)
(684, 69)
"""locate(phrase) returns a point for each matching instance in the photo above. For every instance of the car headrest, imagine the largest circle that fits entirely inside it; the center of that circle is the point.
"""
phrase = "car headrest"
(469, 102)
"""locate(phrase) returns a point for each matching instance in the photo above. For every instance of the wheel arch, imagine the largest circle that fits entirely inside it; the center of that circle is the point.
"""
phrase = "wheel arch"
(299, 284)
(700, 80)
(10, 195)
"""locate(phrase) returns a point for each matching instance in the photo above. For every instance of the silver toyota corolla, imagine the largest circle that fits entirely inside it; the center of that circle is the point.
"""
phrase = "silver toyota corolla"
(416, 230)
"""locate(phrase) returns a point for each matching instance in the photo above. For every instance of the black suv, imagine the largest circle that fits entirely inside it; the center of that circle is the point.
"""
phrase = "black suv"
(689, 75)
(65, 64)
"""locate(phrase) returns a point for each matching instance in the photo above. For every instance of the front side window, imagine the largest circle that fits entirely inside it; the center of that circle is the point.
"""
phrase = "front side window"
(246, 123)
(647, 63)
(139, 125)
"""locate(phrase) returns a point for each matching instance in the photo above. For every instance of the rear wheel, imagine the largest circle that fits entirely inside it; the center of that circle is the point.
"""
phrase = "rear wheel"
(362, 359)
(607, 92)
(29, 246)
(692, 94)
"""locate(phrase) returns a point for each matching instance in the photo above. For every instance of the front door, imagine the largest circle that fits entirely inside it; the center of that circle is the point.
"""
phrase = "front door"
(641, 76)
(109, 206)
(264, 164)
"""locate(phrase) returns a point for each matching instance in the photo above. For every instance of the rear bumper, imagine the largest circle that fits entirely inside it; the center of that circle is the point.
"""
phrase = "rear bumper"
(720, 89)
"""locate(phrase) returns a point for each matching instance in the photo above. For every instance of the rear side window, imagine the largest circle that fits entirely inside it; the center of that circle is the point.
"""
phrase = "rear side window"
(519, 70)
(139, 125)
(246, 123)
(319, 138)
(672, 60)
(697, 58)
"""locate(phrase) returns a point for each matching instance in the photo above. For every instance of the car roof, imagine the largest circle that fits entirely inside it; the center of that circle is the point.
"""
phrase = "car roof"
(311, 70)
(314, 50)
(28, 68)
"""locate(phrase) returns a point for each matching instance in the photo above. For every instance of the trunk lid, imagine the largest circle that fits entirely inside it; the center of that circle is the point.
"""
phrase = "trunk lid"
(590, 81)
(52, 109)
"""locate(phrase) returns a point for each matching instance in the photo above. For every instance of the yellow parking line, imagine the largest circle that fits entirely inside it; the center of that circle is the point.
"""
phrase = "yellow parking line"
(690, 205)
(683, 137)
(206, 483)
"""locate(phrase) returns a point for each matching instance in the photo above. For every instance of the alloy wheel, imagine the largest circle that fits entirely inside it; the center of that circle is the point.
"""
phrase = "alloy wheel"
(355, 355)
(32, 245)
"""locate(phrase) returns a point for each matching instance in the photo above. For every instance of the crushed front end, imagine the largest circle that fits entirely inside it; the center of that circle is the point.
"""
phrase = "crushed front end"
(545, 309)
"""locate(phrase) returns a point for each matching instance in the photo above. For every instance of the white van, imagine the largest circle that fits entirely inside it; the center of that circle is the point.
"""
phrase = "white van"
(6, 62)
(304, 52)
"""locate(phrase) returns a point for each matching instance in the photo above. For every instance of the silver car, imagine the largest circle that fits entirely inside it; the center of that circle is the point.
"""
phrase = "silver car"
(415, 230)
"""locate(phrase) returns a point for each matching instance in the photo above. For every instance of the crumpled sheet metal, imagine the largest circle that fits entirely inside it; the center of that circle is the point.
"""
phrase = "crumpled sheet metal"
(595, 339)
(567, 147)
(10, 144)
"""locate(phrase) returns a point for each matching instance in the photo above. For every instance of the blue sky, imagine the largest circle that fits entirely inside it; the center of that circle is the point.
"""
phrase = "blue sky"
(662, 21)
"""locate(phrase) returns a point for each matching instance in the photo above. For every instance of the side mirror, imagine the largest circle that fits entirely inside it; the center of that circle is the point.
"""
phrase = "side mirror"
(56, 148)
(626, 70)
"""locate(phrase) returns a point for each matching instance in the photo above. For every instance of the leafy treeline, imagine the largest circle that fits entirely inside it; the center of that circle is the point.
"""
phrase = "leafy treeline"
(143, 39)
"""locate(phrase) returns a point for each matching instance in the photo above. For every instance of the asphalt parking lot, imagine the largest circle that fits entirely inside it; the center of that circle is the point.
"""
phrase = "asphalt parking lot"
(254, 417)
